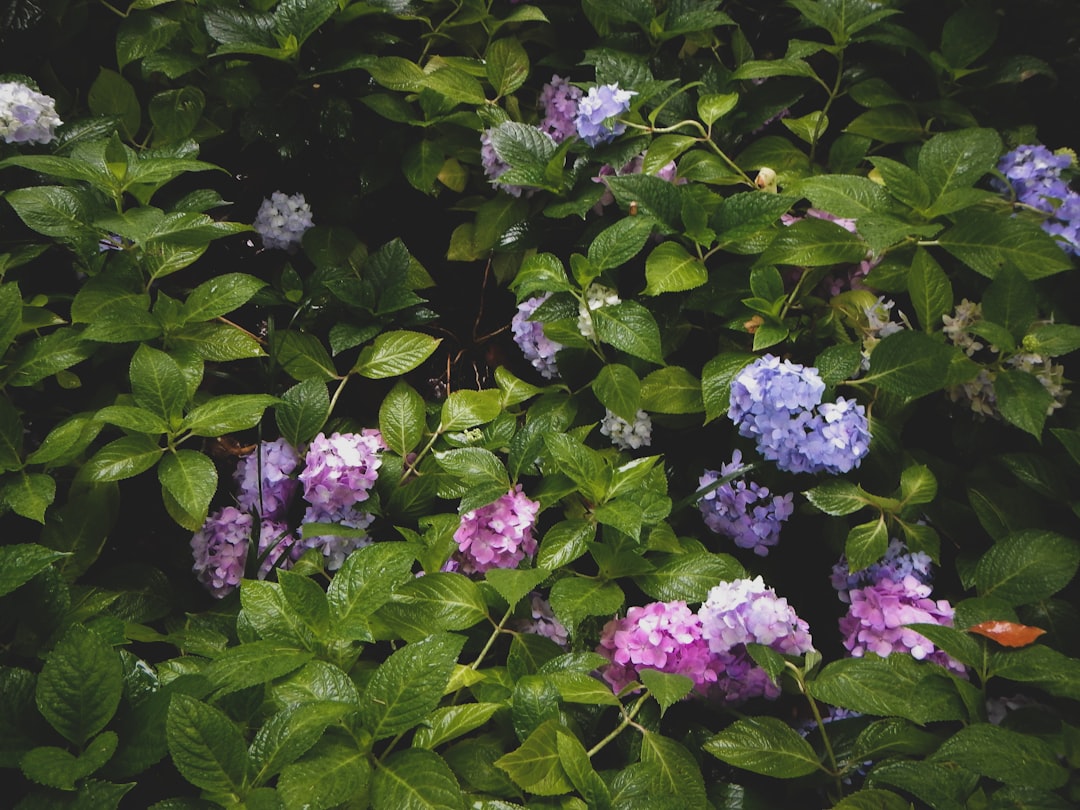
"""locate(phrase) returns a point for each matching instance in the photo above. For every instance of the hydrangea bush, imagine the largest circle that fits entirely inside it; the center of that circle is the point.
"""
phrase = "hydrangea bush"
(624, 405)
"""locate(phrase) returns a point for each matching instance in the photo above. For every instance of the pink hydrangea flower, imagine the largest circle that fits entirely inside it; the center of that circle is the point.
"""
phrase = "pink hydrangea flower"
(498, 535)
(543, 622)
(341, 470)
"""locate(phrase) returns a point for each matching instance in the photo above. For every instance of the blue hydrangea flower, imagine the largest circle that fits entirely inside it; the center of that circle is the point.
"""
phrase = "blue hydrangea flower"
(1034, 172)
(26, 116)
(538, 348)
(743, 511)
(282, 220)
(897, 564)
(596, 113)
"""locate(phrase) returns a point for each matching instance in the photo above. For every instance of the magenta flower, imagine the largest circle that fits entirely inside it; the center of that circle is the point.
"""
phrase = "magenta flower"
(498, 535)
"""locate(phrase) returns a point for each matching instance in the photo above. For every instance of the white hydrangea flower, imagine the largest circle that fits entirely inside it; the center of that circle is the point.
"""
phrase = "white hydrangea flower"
(26, 116)
(625, 435)
(595, 297)
(282, 220)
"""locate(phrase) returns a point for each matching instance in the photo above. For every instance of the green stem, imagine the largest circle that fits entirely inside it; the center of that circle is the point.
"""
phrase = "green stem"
(833, 94)
(491, 640)
(337, 393)
(411, 467)
(628, 718)
(791, 298)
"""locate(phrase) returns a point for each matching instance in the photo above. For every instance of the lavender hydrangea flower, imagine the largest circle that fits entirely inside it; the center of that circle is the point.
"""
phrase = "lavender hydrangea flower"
(265, 479)
(742, 612)
(220, 550)
(275, 541)
(779, 405)
(538, 348)
(498, 535)
(596, 111)
(897, 564)
(560, 101)
(1034, 172)
(625, 435)
(543, 622)
(340, 470)
(596, 296)
(495, 167)
(282, 220)
(665, 636)
(334, 547)
(875, 621)
(744, 512)
(26, 116)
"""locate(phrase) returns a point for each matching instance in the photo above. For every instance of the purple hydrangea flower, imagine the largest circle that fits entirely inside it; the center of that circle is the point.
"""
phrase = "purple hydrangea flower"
(543, 622)
(275, 541)
(26, 116)
(779, 405)
(268, 494)
(560, 100)
(744, 512)
(494, 166)
(340, 471)
(875, 621)
(897, 564)
(498, 535)
(1034, 173)
(742, 612)
(625, 435)
(665, 636)
(282, 220)
(334, 547)
(220, 550)
(596, 111)
(538, 348)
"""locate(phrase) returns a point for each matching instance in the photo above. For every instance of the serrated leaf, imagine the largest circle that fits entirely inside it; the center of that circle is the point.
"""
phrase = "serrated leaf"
(331, 773)
(930, 290)
(619, 243)
(190, 478)
(205, 745)
(1004, 755)
(1022, 400)
(395, 353)
(79, 687)
(438, 600)
(909, 364)
(669, 268)
(619, 390)
(689, 577)
(302, 411)
(21, 562)
(401, 418)
(574, 598)
(630, 327)
(764, 745)
(123, 458)
(1027, 567)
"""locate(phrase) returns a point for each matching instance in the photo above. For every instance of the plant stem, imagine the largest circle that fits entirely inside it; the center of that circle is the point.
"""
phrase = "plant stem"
(628, 718)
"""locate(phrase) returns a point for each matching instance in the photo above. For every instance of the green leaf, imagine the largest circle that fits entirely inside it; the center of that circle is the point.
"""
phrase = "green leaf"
(455, 84)
(80, 684)
(216, 342)
(630, 327)
(1004, 755)
(506, 65)
(917, 485)
(364, 583)
(903, 182)
(619, 390)
(134, 419)
(689, 577)
(205, 745)
(395, 353)
(514, 584)
(755, 69)
(564, 542)
(514, 390)
(957, 159)
(713, 106)
(872, 799)
(401, 418)
(29, 494)
(670, 268)
(302, 356)
(944, 787)
(764, 745)
(466, 409)
(574, 598)
(1053, 339)
(229, 413)
(123, 458)
(814, 243)
(254, 662)
(577, 687)
(1010, 302)
(665, 149)
(48, 354)
(220, 296)
(307, 601)
(866, 544)
(1039, 665)
(837, 497)
(287, 735)
(415, 780)
(536, 765)
(619, 243)
(1027, 567)
(930, 291)
(716, 379)
(1022, 400)
(408, 685)
(11, 305)
(579, 769)
(671, 390)
(191, 479)
(302, 411)
(451, 722)
(58, 211)
(439, 600)
(909, 364)
(175, 113)
(80, 527)
(330, 774)
(157, 383)
(658, 200)
(666, 687)
(986, 242)
(967, 35)
(893, 123)
(58, 768)
(21, 562)
(112, 94)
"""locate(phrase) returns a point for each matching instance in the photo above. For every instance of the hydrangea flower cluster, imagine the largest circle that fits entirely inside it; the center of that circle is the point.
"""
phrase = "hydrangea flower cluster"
(625, 435)
(543, 621)
(220, 548)
(560, 101)
(282, 220)
(265, 481)
(897, 563)
(883, 599)
(595, 297)
(779, 405)
(978, 392)
(498, 535)
(664, 636)
(742, 612)
(340, 471)
(708, 647)
(529, 335)
(744, 512)
(495, 167)
(596, 111)
(26, 116)
(1035, 175)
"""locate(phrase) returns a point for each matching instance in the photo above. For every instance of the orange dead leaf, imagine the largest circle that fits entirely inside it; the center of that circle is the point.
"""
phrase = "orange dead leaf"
(1008, 634)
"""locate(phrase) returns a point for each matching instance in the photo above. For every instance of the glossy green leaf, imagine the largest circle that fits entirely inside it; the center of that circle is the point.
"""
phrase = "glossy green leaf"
(79, 687)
